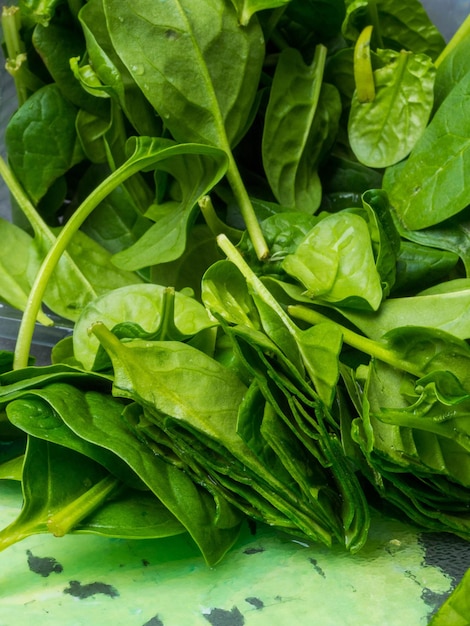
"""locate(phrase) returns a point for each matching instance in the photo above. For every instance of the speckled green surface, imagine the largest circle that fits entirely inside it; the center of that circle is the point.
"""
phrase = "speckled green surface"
(266, 580)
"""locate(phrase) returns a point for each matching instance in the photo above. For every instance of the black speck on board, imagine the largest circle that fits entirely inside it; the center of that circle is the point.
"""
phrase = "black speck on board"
(256, 602)
(43, 565)
(80, 591)
(317, 568)
(221, 617)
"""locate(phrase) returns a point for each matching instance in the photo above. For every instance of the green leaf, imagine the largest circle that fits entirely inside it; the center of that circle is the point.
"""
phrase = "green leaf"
(177, 53)
(44, 414)
(94, 263)
(115, 223)
(446, 310)
(420, 194)
(42, 141)
(183, 55)
(187, 271)
(301, 123)
(451, 236)
(19, 260)
(225, 294)
(385, 130)
(397, 25)
(115, 78)
(451, 70)
(131, 515)
(196, 171)
(324, 17)
(54, 478)
(56, 44)
(140, 304)
(335, 263)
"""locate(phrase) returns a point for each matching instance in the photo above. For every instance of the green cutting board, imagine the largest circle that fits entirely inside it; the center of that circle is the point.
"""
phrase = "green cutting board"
(267, 579)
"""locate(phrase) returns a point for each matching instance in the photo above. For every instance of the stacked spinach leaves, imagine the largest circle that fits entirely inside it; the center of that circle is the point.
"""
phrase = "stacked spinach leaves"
(254, 214)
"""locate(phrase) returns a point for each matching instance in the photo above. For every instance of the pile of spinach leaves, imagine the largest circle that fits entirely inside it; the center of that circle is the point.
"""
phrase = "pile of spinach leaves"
(254, 215)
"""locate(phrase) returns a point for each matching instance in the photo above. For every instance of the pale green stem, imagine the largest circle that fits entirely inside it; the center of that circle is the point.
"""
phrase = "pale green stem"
(249, 216)
(462, 33)
(25, 333)
(254, 282)
(65, 520)
(25, 204)
(168, 312)
(11, 23)
(216, 225)
(363, 73)
(353, 339)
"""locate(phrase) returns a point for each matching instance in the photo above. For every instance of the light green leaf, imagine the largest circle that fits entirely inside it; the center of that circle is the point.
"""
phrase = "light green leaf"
(197, 170)
(177, 53)
(384, 131)
(456, 609)
(139, 304)
(113, 76)
(19, 260)
(335, 263)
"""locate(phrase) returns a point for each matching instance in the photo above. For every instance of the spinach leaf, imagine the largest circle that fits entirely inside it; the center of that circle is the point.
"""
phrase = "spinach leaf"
(56, 44)
(19, 259)
(451, 235)
(114, 77)
(143, 305)
(456, 609)
(301, 124)
(397, 25)
(421, 267)
(225, 294)
(445, 310)
(42, 141)
(384, 130)
(41, 412)
(420, 193)
(196, 173)
(335, 263)
(451, 69)
(131, 515)
(60, 487)
(195, 104)
(187, 271)
(313, 13)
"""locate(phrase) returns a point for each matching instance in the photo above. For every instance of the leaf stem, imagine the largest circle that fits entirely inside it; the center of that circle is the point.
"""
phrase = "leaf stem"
(248, 213)
(462, 33)
(15, 49)
(62, 522)
(168, 312)
(374, 18)
(26, 330)
(353, 339)
(216, 225)
(363, 74)
(254, 282)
